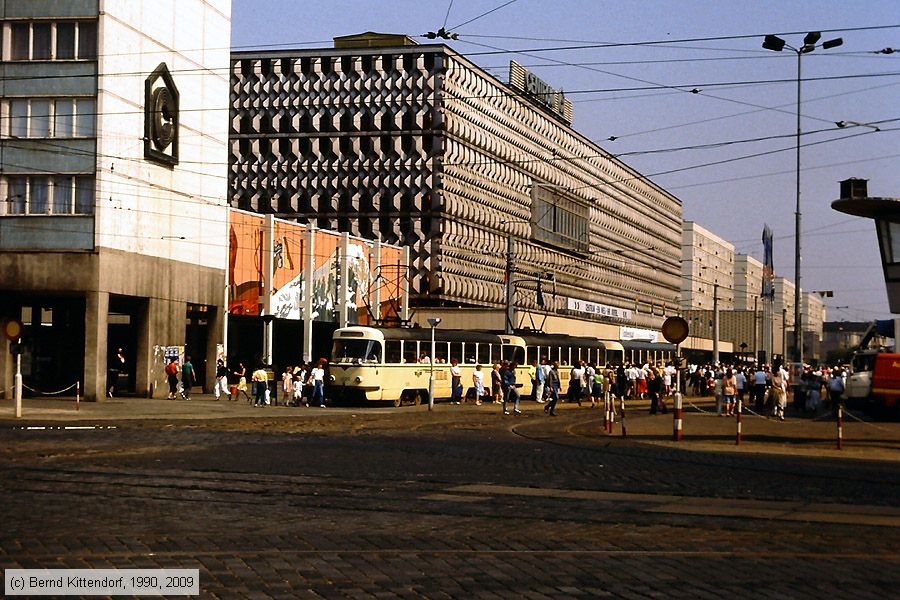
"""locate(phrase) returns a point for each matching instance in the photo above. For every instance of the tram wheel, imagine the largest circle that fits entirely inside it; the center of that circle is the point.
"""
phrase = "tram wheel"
(398, 401)
(417, 398)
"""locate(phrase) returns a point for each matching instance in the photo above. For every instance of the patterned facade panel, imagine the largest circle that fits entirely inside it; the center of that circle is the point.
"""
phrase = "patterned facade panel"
(344, 141)
(498, 146)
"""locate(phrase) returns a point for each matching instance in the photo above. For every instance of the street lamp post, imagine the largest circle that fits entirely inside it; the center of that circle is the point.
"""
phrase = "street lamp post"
(433, 322)
(716, 323)
(775, 43)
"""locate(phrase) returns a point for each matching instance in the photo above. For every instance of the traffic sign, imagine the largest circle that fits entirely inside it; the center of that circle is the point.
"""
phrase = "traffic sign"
(12, 329)
(675, 330)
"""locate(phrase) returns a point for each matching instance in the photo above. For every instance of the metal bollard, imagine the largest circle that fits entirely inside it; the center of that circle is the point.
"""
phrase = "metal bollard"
(737, 440)
(610, 423)
(840, 427)
(624, 434)
(77, 395)
(606, 413)
(677, 418)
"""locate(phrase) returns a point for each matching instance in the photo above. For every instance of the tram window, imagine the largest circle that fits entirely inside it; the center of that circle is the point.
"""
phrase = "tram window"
(484, 354)
(468, 354)
(514, 353)
(356, 351)
(410, 352)
(392, 351)
(440, 351)
(456, 351)
(531, 354)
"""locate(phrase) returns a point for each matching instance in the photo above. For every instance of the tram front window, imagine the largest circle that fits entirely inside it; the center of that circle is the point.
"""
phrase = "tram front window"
(514, 353)
(356, 351)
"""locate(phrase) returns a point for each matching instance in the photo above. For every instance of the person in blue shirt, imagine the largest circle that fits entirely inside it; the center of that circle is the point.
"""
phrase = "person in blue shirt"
(510, 388)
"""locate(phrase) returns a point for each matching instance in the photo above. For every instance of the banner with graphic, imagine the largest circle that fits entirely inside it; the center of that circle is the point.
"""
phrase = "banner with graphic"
(768, 278)
(246, 270)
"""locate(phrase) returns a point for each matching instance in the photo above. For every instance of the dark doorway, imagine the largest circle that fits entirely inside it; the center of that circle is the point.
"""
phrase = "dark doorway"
(196, 339)
(53, 340)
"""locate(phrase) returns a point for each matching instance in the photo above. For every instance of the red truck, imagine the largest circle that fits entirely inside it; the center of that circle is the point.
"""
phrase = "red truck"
(874, 382)
(886, 382)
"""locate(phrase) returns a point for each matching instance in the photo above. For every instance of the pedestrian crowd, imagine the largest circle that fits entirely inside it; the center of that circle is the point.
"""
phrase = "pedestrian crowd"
(766, 387)
(300, 385)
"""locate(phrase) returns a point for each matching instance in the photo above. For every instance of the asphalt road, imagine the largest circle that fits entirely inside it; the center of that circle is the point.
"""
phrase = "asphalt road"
(403, 504)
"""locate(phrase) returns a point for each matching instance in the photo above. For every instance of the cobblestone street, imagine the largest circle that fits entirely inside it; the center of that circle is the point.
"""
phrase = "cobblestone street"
(459, 504)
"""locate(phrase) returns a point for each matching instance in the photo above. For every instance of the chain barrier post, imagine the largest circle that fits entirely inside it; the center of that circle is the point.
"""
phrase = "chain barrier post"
(611, 421)
(740, 408)
(18, 384)
(605, 413)
(840, 427)
(677, 414)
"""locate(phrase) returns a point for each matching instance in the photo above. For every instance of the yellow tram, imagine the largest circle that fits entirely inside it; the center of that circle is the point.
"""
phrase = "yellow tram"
(395, 364)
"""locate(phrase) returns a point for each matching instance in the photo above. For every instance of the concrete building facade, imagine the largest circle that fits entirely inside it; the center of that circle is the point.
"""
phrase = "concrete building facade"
(748, 275)
(114, 171)
(485, 182)
(707, 269)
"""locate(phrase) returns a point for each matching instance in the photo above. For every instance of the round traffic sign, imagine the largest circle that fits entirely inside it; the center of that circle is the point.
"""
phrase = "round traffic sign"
(675, 330)
(12, 329)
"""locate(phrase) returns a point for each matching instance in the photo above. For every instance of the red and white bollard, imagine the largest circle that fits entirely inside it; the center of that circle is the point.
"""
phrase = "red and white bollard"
(678, 418)
(737, 440)
(840, 427)
(606, 413)
(610, 414)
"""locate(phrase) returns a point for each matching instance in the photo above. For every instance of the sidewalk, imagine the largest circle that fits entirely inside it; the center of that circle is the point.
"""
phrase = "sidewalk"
(702, 429)
(798, 435)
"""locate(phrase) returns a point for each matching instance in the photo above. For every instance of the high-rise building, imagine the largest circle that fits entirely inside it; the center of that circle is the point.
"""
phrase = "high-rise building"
(486, 182)
(113, 186)
(707, 269)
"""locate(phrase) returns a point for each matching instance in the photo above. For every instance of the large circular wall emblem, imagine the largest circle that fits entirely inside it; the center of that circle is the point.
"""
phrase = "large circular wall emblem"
(162, 130)
(161, 117)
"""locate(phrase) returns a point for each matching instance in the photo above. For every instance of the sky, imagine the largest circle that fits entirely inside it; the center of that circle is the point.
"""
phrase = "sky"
(702, 146)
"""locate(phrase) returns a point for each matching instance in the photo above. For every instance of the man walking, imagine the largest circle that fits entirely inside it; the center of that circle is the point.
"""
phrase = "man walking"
(759, 387)
(187, 377)
(172, 377)
(221, 380)
(510, 389)
(553, 383)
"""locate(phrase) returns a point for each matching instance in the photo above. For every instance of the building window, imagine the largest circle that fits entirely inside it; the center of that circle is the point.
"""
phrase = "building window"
(51, 40)
(50, 118)
(559, 220)
(59, 195)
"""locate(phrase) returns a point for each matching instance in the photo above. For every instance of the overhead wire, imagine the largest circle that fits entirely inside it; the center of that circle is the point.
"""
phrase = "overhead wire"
(482, 15)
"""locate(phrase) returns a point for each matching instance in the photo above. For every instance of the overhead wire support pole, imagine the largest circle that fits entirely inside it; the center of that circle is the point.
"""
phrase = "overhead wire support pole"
(798, 322)
(510, 286)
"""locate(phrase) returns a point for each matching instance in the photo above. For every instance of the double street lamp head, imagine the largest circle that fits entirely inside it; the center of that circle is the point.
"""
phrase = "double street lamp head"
(773, 42)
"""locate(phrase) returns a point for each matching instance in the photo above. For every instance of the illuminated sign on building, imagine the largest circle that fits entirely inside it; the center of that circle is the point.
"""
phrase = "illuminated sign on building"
(600, 310)
(539, 91)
